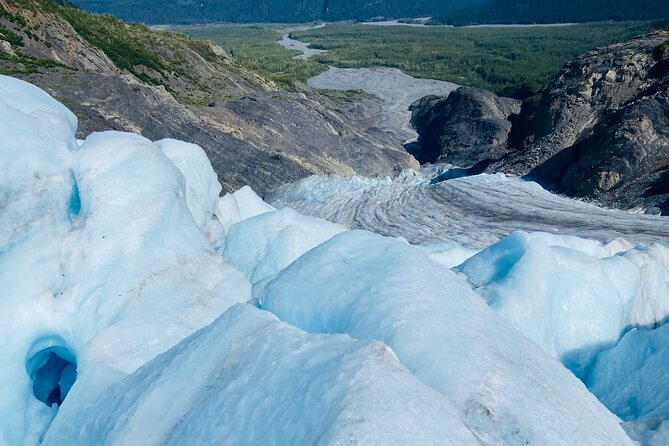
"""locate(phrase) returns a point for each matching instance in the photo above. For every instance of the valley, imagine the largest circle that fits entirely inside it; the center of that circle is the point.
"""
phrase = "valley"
(493, 58)
(397, 90)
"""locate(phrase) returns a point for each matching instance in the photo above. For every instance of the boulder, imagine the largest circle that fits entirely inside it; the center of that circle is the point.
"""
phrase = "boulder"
(467, 126)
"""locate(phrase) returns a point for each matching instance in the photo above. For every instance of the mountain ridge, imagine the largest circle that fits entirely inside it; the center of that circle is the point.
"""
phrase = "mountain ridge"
(458, 12)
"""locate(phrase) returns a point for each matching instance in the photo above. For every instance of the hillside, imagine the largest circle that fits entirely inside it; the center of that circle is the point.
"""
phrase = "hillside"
(121, 76)
(453, 11)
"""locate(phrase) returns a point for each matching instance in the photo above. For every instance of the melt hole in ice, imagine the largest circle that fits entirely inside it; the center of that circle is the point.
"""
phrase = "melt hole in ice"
(75, 199)
(52, 370)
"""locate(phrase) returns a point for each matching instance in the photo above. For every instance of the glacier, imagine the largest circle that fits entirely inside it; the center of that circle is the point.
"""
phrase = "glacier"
(141, 307)
(544, 284)
(439, 328)
(632, 380)
(215, 388)
(93, 239)
(473, 211)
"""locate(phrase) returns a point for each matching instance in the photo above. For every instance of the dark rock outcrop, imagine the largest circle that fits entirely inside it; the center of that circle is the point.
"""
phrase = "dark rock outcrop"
(599, 131)
(465, 127)
(585, 93)
(623, 163)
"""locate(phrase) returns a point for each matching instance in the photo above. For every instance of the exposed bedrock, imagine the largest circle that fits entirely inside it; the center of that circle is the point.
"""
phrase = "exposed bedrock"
(468, 126)
(599, 130)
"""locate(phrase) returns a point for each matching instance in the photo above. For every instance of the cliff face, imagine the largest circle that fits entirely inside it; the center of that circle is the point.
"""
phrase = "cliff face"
(116, 75)
(600, 130)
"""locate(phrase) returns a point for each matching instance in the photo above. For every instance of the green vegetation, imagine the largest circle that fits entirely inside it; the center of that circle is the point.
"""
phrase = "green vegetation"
(19, 63)
(155, 58)
(23, 64)
(17, 19)
(255, 48)
(121, 42)
(10, 36)
(508, 60)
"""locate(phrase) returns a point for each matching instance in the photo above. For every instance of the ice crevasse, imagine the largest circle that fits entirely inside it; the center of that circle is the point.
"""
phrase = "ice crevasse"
(129, 316)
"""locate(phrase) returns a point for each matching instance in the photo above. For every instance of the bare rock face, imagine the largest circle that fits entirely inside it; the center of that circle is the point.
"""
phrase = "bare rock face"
(583, 94)
(601, 129)
(624, 162)
(464, 128)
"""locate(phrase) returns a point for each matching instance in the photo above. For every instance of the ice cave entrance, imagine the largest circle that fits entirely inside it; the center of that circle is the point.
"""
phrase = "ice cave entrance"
(52, 368)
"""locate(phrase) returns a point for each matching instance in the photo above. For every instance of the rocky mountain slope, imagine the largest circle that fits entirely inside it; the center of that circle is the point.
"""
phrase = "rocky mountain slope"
(600, 130)
(116, 75)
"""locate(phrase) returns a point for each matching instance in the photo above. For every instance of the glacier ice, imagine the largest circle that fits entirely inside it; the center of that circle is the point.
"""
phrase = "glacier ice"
(375, 288)
(573, 297)
(250, 379)
(129, 318)
(652, 431)
(265, 244)
(632, 379)
(449, 255)
(240, 205)
(118, 277)
(473, 211)
(202, 186)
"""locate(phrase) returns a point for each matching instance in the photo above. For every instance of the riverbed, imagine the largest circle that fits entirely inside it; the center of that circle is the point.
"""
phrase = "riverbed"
(397, 89)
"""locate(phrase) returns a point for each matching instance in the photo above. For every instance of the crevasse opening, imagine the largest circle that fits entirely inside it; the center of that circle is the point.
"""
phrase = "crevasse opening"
(52, 371)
